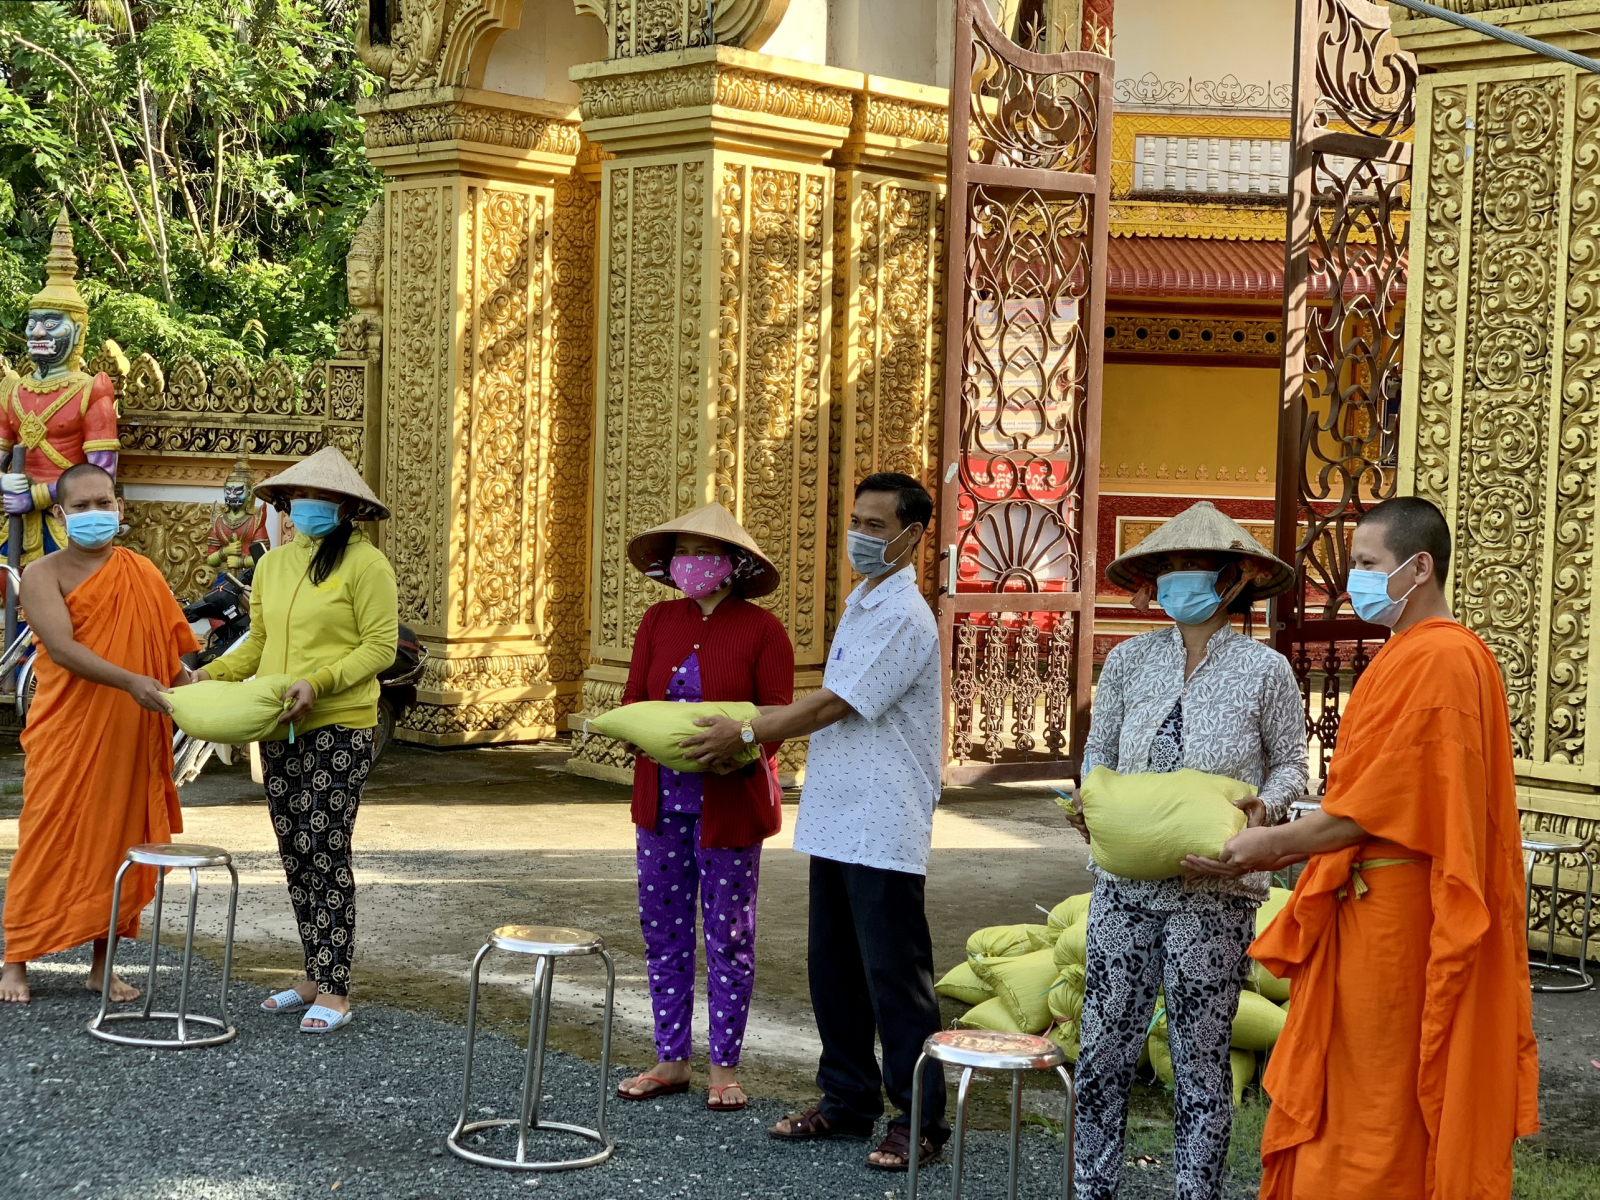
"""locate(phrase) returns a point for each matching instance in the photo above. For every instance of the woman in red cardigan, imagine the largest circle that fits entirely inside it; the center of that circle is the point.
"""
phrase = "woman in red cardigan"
(699, 835)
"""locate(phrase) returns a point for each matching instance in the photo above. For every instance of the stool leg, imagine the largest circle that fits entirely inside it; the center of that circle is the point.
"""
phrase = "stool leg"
(1588, 906)
(916, 1125)
(188, 957)
(1555, 893)
(472, 1036)
(227, 942)
(155, 941)
(960, 1135)
(605, 1047)
(533, 1071)
(1016, 1132)
(1068, 1130)
(111, 949)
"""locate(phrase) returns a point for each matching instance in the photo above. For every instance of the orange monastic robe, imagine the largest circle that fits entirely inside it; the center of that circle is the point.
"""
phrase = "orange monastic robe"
(99, 768)
(1408, 1062)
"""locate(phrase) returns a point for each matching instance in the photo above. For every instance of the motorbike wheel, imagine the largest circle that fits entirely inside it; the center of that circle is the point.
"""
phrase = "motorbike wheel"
(25, 701)
(189, 759)
(383, 734)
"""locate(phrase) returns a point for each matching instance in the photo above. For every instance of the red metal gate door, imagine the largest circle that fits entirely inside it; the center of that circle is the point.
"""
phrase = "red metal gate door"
(1030, 173)
(1343, 322)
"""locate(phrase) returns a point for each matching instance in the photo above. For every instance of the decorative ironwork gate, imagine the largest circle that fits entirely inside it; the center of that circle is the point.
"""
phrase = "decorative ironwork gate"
(1030, 172)
(1338, 423)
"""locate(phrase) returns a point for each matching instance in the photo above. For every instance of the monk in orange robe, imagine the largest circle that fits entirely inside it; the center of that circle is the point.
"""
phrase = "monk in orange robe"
(1408, 1064)
(98, 740)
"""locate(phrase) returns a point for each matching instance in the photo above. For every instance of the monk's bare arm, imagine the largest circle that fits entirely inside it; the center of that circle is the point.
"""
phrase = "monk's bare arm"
(48, 618)
(1271, 848)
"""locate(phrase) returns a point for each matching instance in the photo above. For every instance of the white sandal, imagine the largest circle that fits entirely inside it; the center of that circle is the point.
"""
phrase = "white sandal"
(321, 1012)
(284, 1001)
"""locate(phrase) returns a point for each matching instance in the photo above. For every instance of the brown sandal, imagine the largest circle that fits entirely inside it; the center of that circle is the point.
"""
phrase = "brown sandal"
(898, 1143)
(715, 1091)
(811, 1125)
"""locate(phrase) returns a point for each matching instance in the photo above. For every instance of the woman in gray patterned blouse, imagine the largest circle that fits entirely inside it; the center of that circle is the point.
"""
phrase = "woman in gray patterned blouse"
(1201, 695)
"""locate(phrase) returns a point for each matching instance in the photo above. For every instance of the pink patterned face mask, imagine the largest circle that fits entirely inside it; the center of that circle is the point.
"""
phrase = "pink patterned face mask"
(701, 574)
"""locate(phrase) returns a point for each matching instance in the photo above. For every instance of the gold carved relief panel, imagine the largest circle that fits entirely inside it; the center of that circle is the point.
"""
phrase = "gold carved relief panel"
(1500, 403)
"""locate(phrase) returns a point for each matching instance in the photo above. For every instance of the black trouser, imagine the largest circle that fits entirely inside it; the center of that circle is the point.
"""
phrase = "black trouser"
(871, 970)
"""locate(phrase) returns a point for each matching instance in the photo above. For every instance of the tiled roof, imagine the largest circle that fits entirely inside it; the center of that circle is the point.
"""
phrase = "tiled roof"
(1206, 269)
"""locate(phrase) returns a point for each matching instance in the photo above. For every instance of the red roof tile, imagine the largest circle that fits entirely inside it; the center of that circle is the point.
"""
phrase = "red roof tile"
(1202, 269)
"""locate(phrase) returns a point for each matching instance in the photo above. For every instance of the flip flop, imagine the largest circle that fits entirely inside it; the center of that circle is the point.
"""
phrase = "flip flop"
(666, 1089)
(288, 1000)
(720, 1106)
(321, 1012)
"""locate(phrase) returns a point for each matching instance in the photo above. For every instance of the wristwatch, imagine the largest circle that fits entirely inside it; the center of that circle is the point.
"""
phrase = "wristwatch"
(747, 731)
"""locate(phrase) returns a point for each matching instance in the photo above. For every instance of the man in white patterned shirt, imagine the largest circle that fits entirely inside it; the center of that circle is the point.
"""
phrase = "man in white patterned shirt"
(866, 819)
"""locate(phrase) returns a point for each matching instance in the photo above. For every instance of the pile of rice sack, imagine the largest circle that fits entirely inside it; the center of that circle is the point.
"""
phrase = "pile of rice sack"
(1030, 979)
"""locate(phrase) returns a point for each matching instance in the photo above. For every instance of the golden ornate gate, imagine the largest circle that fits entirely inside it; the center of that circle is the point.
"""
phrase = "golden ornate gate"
(1338, 424)
(1030, 174)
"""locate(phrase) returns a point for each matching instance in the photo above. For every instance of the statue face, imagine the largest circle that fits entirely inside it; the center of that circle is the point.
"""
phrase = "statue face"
(358, 282)
(51, 337)
(235, 495)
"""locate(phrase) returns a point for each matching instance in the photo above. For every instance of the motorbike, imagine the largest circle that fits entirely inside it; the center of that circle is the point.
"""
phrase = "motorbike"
(16, 662)
(224, 615)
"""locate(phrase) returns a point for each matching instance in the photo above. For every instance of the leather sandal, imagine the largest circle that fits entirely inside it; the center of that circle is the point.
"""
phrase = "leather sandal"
(898, 1143)
(715, 1091)
(666, 1088)
(811, 1125)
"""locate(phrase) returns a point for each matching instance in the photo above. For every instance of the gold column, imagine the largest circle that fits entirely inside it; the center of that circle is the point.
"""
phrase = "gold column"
(489, 241)
(716, 292)
(1500, 407)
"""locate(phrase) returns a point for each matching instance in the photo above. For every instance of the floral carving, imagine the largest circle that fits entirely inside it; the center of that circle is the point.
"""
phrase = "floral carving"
(1441, 265)
(464, 122)
(701, 85)
(172, 534)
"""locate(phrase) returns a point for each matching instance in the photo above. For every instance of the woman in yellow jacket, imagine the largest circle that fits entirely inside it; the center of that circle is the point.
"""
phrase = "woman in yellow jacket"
(323, 610)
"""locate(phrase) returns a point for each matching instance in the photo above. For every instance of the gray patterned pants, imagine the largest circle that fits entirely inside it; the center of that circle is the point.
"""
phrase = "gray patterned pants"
(1197, 953)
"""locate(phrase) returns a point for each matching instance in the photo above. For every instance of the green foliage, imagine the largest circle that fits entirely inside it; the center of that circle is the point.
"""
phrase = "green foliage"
(211, 158)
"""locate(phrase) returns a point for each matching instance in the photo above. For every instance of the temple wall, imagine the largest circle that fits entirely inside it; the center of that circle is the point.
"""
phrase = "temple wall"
(1500, 404)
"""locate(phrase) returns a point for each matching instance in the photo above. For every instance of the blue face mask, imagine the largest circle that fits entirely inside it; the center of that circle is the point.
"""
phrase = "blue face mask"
(1188, 597)
(314, 518)
(869, 555)
(92, 530)
(1369, 596)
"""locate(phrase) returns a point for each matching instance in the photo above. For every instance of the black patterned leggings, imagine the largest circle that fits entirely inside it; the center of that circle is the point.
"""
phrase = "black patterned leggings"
(313, 791)
(1199, 955)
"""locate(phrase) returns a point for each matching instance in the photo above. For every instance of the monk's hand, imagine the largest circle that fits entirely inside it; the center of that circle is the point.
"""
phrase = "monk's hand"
(147, 693)
(301, 698)
(721, 740)
(1254, 809)
(1251, 849)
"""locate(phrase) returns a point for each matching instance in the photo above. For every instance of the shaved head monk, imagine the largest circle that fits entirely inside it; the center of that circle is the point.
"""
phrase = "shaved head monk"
(98, 774)
(1408, 1064)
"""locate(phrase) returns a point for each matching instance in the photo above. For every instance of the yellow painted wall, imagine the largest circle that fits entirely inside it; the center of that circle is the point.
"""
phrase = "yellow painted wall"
(1189, 417)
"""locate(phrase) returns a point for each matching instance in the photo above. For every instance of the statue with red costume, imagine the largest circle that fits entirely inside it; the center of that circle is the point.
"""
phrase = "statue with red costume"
(238, 525)
(61, 414)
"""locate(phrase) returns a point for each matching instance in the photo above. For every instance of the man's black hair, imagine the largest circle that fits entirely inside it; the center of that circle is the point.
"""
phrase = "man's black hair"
(913, 505)
(1410, 526)
(82, 470)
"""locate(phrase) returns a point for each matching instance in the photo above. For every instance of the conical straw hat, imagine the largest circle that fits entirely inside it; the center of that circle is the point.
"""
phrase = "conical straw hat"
(329, 471)
(1200, 527)
(651, 551)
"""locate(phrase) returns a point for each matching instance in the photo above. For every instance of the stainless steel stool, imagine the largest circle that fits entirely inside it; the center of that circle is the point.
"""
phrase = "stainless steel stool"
(1554, 848)
(194, 859)
(988, 1050)
(546, 943)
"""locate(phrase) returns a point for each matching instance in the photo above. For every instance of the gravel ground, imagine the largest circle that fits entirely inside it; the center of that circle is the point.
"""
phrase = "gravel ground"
(276, 1115)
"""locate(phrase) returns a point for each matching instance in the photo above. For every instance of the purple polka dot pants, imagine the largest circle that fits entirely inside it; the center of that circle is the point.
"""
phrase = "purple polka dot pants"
(674, 869)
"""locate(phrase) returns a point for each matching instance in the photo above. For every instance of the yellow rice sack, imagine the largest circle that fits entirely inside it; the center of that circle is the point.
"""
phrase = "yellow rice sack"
(1142, 826)
(962, 983)
(1072, 947)
(991, 1014)
(1003, 941)
(231, 714)
(1257, 1023)
(658, 726)
(1261, 979)
(1244, 1070)
(1066, 994)
(1065, 1035)
(1074, 910)
(1022, 985)
(1160, 1058)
